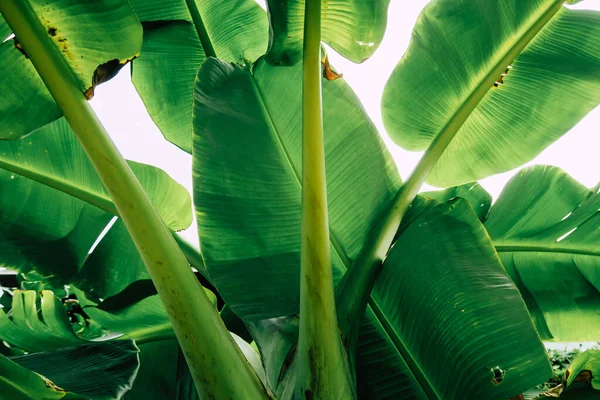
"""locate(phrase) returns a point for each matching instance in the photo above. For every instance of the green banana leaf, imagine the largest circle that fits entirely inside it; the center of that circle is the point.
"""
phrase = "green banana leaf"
(172, 53)
(353, 28)
(473, 192)
(246, 165)
(450, 306)
(442, 303)
(18, 383)
(472, 60)
(4, 30)
(545, 228)
(37, 328)
(157, 377)
(143, 321)
(54, 208)
(99, 371)
(96, 39)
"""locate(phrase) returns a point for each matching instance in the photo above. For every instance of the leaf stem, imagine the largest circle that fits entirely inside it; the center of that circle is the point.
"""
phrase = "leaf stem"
(218, 366)
(353, 292)
(209, 50)
(322, 367)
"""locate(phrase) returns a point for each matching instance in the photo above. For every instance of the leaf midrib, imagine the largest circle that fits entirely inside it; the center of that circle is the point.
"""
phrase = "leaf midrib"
(61, 185)
(508, 247)
(273, 128)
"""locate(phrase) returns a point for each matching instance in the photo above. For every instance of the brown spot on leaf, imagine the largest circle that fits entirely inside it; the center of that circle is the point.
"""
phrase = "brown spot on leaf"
(20, 48)
(328, 72)
(52, 31)
(584, 376)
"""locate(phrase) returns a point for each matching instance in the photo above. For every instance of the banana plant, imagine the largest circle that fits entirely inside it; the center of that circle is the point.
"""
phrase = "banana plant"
(329, 277)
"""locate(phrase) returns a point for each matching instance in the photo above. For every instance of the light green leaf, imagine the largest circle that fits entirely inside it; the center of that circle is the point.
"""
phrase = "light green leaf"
(459, 49)
(54, 157)
(34, 328)
(545, 228)
(90, 34)
(53, 207)
(172, 53)
(473, 192)
(143, 321)
(99, 371)
(247, 158)
(353, 28)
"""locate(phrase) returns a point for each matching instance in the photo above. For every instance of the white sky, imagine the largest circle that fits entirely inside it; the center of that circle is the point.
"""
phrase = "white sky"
(123, 114)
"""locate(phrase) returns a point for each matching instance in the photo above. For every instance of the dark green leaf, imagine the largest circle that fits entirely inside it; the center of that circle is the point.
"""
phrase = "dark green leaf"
(100, 371)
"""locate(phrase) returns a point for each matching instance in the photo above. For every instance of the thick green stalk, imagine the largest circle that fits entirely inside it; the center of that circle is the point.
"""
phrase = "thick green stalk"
(353, 292)
(217, 365)
(209, 50)
(322, 368)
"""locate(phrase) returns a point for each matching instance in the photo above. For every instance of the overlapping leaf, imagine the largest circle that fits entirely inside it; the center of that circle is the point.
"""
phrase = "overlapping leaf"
(247, 160)
(461, 50)
(442, 303)
(37, 329)
(545, 228)
(450, 306)
(21, 384)
(98, 371)
(54, 207)
(112, 35)
(354, 28)
(172, 53)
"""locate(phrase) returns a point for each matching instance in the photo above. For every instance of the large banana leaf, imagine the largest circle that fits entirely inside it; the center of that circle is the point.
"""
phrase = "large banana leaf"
(545, 228)
(247, 160)
(99, 371)
(444, 322)
(353, 28)
(172, 53)
(461, 50)
(18, 383)
(54, 207)
(450, 306)
(95, 37)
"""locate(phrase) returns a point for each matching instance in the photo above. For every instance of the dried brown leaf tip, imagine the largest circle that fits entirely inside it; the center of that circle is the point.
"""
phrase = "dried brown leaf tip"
(104, 73)
(328, 72)
(518, 397)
